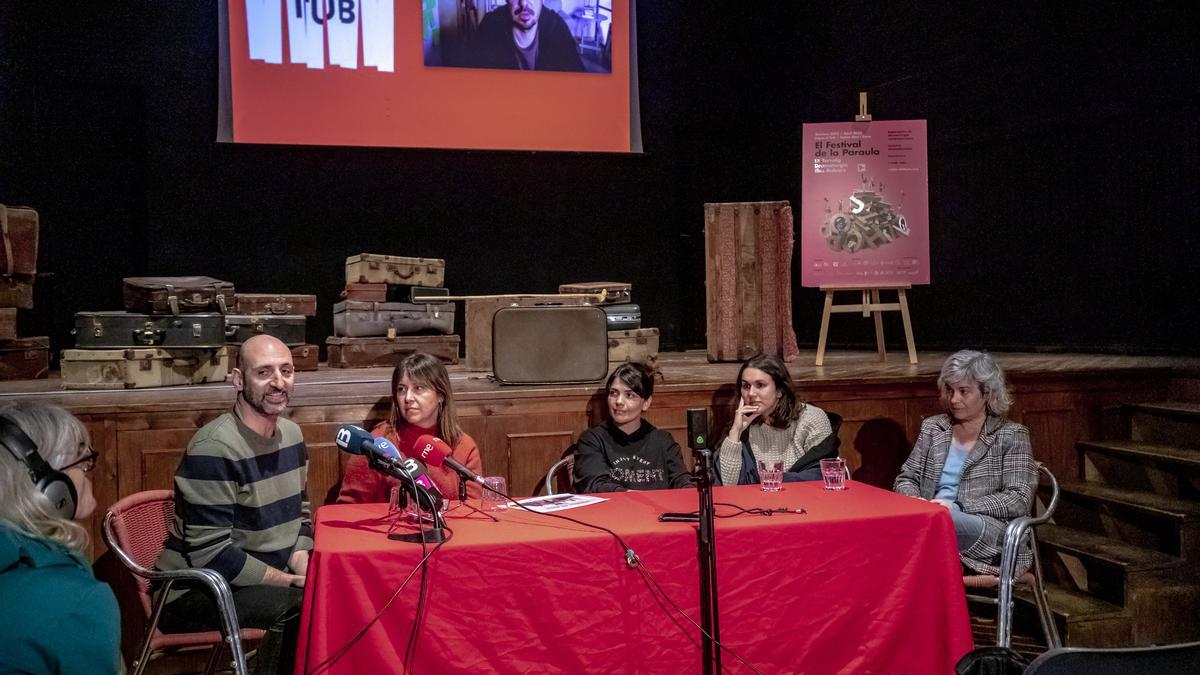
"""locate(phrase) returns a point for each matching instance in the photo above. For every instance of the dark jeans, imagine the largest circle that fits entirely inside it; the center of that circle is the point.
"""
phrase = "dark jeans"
(275, 609)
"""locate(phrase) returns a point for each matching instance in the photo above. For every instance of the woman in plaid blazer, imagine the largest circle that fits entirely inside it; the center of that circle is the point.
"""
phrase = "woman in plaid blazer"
(974, 461)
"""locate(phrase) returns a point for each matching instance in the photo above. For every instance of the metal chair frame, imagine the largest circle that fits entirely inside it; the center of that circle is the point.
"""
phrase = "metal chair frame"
(229, 628)
(568, 462)
(1014, 535)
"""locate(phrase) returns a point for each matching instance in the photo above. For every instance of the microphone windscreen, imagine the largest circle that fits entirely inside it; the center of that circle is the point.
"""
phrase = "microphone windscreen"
(387, 449)
(351, 439)
(431, 449)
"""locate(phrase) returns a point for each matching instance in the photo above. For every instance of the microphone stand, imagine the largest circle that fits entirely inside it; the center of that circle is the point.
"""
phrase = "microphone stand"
(706, 549)
(462, 500)
(433, 535)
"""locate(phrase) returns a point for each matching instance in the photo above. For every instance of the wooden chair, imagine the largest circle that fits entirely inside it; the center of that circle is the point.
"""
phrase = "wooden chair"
(135, 529)
(1018, 530)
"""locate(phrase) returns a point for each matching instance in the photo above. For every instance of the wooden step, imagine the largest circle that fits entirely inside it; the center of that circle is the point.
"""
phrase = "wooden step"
(1145, 452)
(1083, 620)
(1146, 503)
(1178, 409)
(1166, 423)
(1104, 550)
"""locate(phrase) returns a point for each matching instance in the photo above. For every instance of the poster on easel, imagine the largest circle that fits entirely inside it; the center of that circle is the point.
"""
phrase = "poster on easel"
(864, 208)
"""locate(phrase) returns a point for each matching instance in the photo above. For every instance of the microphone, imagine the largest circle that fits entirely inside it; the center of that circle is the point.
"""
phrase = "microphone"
(386, 458)
(436, 452)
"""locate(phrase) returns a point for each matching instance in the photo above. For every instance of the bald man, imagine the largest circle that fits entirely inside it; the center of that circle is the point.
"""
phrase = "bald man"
(241, 509)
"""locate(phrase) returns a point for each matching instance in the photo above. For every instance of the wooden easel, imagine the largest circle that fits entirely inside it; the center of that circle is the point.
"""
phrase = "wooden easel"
(872, 304)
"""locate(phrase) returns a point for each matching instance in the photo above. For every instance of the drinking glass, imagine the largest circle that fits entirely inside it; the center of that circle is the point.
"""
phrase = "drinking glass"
(833, 472)
(771, 475)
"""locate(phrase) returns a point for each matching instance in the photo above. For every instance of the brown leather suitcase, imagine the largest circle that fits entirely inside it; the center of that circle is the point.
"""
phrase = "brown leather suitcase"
(368, 268)
(176, 295)
(617, 291)
(25, 358)
(639, 345)
(304, 357)
(748, 280)
(8, 323)
(550, 345)
(372, 352)
(142, 368)
(18, 255)
(358, 292)
(273, 303)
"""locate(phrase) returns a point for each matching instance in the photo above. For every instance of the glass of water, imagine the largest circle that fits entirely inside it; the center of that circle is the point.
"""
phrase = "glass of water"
(833, 472)
(771, 475)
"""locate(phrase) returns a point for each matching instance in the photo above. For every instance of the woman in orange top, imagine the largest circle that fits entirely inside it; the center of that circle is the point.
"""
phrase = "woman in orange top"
(422, 403)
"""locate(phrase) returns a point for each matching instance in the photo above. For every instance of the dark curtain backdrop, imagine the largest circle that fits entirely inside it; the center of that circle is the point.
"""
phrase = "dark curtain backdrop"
(1063, 177)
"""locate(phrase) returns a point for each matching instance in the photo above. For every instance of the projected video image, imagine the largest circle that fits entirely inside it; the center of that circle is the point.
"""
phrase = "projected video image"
(547, 35)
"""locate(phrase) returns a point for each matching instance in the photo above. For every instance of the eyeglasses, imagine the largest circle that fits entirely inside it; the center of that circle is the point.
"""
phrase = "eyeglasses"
(87, 462)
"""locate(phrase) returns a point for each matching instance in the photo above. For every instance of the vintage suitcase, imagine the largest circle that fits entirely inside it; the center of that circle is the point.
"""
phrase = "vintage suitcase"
(376, 319)
(371, 352)
(618, 291)
(139, 368)
(368, 268)
(25, 358)
(623, 317)
(176, 295)
(478, 324)
(549, 345)
(290, 328)
(106, 330)
(639, 345)
(18, 256)
(365, 292)
(272, 303)
(8, 323)
(748, 280)
(304, 357)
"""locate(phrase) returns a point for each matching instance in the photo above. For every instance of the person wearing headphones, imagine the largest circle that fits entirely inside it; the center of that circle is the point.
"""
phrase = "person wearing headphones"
(57, 617)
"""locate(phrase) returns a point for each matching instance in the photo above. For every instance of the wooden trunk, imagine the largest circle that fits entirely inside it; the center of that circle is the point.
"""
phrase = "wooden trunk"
(8, 323)
(25, 358)
(18, 255)
(372, 352)
(748, 280)
(270, 303)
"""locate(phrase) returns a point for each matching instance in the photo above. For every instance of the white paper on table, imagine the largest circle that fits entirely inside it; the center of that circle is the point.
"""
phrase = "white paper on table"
(551, 503)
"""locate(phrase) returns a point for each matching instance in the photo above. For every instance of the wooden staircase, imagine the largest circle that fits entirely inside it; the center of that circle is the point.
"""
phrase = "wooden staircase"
(1122, 558)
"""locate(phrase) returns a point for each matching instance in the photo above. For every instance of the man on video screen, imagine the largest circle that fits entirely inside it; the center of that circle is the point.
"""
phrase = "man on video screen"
(520, 36)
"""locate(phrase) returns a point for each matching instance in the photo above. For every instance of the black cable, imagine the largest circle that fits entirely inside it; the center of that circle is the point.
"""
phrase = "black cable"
(635, 562)
(341, 651)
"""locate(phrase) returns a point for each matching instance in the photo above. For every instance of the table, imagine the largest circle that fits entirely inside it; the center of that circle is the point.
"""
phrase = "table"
(864, 581)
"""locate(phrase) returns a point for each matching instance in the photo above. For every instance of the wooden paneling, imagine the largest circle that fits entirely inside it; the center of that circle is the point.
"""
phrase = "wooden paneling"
(522, 431)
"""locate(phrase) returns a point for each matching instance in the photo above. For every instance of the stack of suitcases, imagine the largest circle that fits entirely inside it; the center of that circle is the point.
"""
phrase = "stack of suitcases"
(179, 331)
(20, 358)
(392, 306)
(627, 340)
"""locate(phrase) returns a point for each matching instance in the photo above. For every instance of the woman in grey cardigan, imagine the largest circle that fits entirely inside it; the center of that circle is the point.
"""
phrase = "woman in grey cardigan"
(973, 461)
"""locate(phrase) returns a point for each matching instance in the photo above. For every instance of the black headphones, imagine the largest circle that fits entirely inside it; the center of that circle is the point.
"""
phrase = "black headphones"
(56, 485)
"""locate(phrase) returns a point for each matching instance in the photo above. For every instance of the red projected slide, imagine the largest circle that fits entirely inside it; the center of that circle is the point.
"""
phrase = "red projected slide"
(487, 74)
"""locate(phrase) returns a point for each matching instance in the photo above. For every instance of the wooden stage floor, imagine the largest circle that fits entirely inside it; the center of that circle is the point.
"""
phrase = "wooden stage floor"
(680, 370)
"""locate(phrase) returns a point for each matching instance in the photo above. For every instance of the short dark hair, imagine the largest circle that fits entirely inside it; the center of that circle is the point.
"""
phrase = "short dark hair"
(789, 408)
(636, 376)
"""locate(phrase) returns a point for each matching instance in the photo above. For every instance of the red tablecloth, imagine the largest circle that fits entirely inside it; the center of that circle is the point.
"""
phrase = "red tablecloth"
(865, 582)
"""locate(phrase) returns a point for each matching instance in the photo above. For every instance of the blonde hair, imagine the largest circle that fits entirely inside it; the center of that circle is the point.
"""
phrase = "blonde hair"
(60, 440)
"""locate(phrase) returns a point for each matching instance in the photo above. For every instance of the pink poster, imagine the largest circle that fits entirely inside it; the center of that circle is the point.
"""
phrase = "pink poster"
(864, 208)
